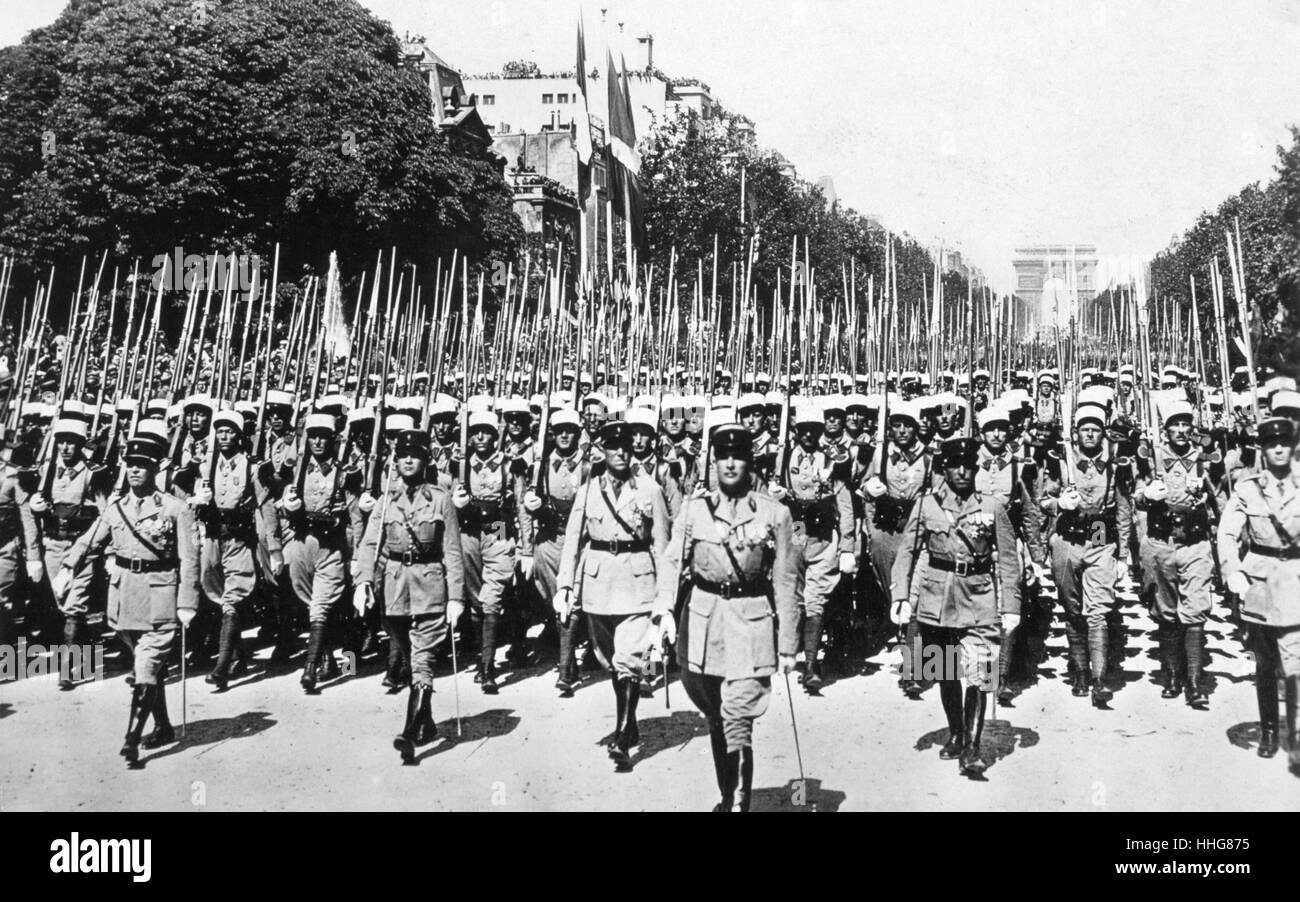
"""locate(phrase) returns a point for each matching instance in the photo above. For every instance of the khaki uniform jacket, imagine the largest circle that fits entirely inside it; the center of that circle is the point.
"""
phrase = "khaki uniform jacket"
(157, 527)
(935, 528)
(560, 484)
(396, 525)
(733, 637)
(1264, 514)
(609, 583)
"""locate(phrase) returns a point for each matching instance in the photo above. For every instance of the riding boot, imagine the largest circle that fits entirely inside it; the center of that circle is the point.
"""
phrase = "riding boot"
(398, 673)
(912, 687)
(1194, 648)
(718, 746)
(1006, 695)
(1115, 641)
(328, 668)
(1292, 728)
(142, 702)
(950, 695)
(568, 667)
(162, 732)
(1170, 646)
(631, 730)
(286, 633)
(488, 654)
(404, 741)
(622, 761)
(425, 729)
(220, 675)
(1097, 648)
(971, 763)
(730, 778)
(812, 637)
(315, 638)
(1266, 697)
(73, 628)
(1077, 641)
(744, 793)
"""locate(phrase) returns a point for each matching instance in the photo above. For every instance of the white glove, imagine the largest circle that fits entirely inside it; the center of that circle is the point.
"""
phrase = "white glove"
(201, 498)
(777, 492)
(292, 502)
(532, 501)
(366, 502)
(277, 562)
(354, 571)
(874, 487)
(38, 504)
(1156, 491)
(35, 571)
(186, 615)
(699, 491)
(560, 604)
(667, 629)
(363, 597)
(455, 610)
(1009, 623)
(900, 612)
(61, 583)
(526, 566)
(787, 663)
(1238, 584)
(459, 497)
(1069, 500)
(848, 563)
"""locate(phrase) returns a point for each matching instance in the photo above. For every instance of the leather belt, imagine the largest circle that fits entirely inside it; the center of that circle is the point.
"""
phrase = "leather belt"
(1281, 554)
(409, 556)
(962, 568)
(140, 565)
(620, 546)
(753, 589)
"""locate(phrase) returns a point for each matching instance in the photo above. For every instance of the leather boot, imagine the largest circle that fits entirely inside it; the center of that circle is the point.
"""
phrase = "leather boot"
(1076, 639)
(488, 654)
(404, 741)
(744, 793)
(425, 729)
(631, 730)
(950, 695)
(73, 629)
(1115, 642)
(812, 637)
(1097, 649)
(730, 778)
(1194, 649)
(1292, 728)
(718, 746)
(1006, 695)
(220, 675)
(1266, 697)
(1170, 645)
(971, 763)
(286, 634)
(142, 702)
(912, 687)
(398, 674)
(622, 761)
(568, 677)
(328, 668)
(162, 732)
(315, 639)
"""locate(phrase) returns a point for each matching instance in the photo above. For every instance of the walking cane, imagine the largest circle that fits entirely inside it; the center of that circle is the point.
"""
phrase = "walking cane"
(795, 727)
(185, 616)
(455, 674)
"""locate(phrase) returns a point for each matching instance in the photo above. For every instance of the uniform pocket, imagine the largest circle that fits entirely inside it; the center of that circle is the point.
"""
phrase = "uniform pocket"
(757, 614)
(162, 596)
(590, 566)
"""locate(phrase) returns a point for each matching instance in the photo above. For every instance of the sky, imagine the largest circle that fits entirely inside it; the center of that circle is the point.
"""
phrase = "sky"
(983, 124)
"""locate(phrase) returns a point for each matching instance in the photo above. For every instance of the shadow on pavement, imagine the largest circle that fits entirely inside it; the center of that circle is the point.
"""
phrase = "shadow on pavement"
(210, 732)
(1000, 739)
(791, 798)
(484, 725)
(5, 710)
(1245, 735)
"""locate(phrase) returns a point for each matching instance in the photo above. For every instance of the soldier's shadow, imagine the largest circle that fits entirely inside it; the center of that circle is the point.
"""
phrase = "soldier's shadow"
(1000, 739)
(484, 725)
(211, 731)
(660, 733)
(5, 710)
(1245, 735)
(811, 797)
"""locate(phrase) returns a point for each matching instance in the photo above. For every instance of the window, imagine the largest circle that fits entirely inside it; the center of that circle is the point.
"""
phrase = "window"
(561, 98)
(548, 98)
(489, 99)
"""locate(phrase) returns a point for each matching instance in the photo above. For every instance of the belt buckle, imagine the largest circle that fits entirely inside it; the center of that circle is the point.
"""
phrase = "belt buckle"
(408, 558)
(614, 546)
(961, 568)
(137, 565)
(727, 590)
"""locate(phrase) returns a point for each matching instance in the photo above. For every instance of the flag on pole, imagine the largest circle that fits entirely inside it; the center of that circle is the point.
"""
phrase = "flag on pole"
(624, 162)
(582, 117)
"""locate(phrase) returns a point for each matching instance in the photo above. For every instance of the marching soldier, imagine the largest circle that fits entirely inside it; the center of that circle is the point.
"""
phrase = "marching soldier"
(322, 524)
(613, 542)
(20, 546)
(1259, 550)
(413, 541)
(733, 548)
(962, 558)
(155, 574)
(1177, 562)
(229, 494)
(821, 514)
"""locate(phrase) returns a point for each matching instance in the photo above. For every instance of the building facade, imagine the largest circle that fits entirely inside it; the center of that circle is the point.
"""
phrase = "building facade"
(1065, 270)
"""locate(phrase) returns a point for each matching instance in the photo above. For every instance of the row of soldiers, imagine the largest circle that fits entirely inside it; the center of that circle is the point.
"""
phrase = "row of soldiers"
(642, 519)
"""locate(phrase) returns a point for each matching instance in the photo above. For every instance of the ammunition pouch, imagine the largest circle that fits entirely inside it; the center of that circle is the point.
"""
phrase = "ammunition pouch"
(66, 522)
(1180, 526)
(11, 525)
(1088, 529)
(890, 514)
(229, 523)
(486, 518)
(820, 518)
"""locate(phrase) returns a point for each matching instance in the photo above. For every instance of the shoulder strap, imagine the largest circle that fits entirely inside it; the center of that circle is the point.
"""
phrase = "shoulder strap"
(130, 527)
